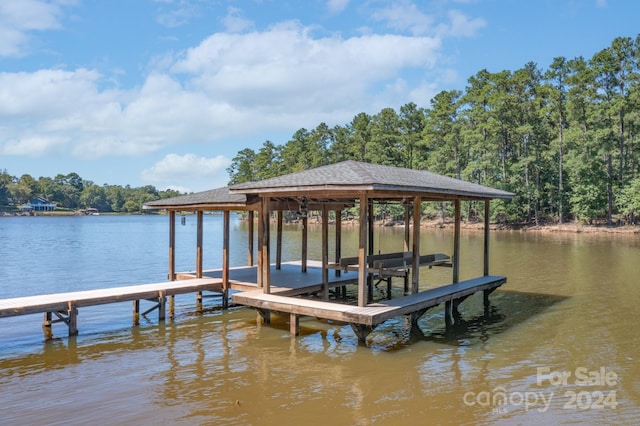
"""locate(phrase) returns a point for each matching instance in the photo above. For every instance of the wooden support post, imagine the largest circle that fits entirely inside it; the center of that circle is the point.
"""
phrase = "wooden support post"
(162, 302)
(455, 313)
(415, 267)
(200, 227)
(136, 312)
(371, 248)
(294, 325)
(407, 228)
(362, 331)
(72, 319)
(456, 242)
(338, 245)
(259, 282)
(415, 316)
(46, 326)
(486, 237)
(172, 307)
(362, 254)
(485, 296)
(279, 241)
(225, 259)
(325, 252)
(264, 315)
(198, 301)
(172, 245)
(305, 242)
(370, 229)
(250, 238)
(266, 265)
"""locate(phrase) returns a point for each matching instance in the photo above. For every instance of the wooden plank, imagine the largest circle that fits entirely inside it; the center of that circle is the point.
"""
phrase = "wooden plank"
(60, 301)
(371, 314)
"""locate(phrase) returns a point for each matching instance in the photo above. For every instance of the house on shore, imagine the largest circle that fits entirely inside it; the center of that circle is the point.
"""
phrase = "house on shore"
(38, 204)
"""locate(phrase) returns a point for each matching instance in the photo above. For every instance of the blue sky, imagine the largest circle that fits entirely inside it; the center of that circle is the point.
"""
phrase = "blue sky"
(166, 92)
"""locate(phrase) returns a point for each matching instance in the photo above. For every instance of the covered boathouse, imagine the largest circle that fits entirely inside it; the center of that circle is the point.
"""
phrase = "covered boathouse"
(303, 288)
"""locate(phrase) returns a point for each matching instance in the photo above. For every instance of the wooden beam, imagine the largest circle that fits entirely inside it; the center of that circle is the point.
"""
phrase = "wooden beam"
(486, 236)
(415, 270)
(362, 251)
(250, 218)
(225, 259)
(200, 215)
(456, 242)
(279, 241)
(172, 245)
(325, 252)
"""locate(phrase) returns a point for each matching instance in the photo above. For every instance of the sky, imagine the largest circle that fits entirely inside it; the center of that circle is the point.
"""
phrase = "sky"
(167, 92)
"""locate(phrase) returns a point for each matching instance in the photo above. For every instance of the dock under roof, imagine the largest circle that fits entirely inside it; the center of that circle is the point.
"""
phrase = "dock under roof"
(334, 188)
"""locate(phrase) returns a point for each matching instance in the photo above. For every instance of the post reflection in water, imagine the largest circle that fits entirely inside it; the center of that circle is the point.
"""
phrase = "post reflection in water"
(566, 306)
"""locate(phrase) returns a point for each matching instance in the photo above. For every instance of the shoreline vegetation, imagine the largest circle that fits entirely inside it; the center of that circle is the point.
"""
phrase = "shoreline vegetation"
(566, 228)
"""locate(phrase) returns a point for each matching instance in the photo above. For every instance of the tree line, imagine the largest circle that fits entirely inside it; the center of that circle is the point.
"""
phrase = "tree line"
(72, 192)
(565, 140)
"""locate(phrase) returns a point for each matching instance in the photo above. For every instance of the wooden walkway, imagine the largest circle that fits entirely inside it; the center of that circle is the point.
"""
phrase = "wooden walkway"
(65, 305)
(365, 319)
(287, 281)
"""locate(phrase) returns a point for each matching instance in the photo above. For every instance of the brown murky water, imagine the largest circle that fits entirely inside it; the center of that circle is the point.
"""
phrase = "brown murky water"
(560, 345)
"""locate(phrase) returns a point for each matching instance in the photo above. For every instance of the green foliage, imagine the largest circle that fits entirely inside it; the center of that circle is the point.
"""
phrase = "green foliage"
(565, 140)
(72, 192)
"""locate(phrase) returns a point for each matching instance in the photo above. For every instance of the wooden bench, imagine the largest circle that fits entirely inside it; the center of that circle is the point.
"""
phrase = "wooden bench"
(384, 267)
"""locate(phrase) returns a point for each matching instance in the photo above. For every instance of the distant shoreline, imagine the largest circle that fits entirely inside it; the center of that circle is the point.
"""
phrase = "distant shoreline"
(571, 227)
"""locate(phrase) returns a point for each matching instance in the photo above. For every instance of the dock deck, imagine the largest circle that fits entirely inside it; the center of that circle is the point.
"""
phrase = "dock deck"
(365, 319)
(286, 281)
(374, 313)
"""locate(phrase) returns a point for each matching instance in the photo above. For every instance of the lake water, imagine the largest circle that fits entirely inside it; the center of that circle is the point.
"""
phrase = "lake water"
(559, 345)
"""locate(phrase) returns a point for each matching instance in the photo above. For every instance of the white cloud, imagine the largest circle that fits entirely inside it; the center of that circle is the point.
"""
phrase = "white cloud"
(337, 6)
(176, 13)
(234, 22)
(404, 16)
(461, 25)
(19, 18)
(285, 70)
(181, 168)
(230, 86)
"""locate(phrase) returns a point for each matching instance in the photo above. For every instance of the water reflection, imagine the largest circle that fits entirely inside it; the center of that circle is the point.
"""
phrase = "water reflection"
(567, 304)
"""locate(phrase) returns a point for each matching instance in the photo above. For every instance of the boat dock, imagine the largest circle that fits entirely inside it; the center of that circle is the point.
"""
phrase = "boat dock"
(364, 319)
(304, 288)
(346, 189)
(65, 306)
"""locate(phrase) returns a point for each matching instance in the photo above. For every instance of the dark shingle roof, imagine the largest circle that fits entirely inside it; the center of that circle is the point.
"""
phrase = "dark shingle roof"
(212, 197)
(351, 175)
